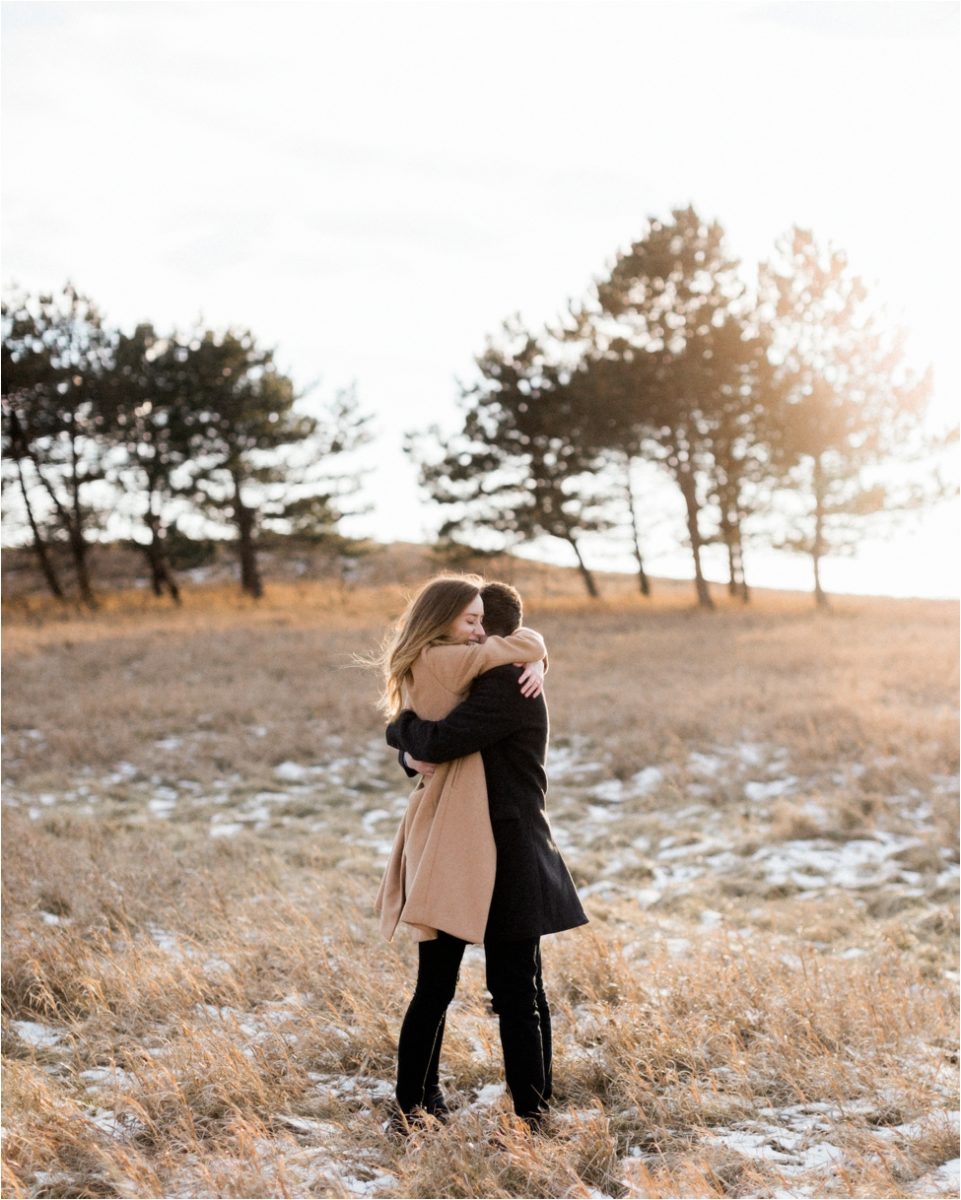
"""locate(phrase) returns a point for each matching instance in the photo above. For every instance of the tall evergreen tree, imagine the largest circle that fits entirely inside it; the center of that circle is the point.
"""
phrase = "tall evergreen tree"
(56, 355)
(321, 481)
(852, 405)
(148, 424)
(239, 412)
(730, 364)
(657, 344)
(519, 467)
(255, 457)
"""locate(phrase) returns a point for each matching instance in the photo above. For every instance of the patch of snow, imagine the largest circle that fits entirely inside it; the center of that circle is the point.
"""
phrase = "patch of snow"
(620, 862)
(611, 790)
(602, 815)
(942, 1181)
(811, 864)
(50, 918)
(724, 862)
(692, 810)
(291, 772)
(705, 764)
(221, 827)
(34, 1033)
(603, 887)
(568, 760)
(794, 1146)
(686, 851)
(751, 754)
(118, 1127)
(122, 772)
(169, 743)
(488, 1095)
(820, 1156)
(270, 797)
(164, 939)
(675, 874)
(324, 1129)
(758, 792)
(922, 1127)
(51, 1181)
(648, 780)
(648, 896)
(352, 1085)
(754, 1145)
(107, 1077)
(366, 1187)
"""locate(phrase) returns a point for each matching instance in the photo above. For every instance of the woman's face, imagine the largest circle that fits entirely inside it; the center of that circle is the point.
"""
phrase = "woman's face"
(469, 625)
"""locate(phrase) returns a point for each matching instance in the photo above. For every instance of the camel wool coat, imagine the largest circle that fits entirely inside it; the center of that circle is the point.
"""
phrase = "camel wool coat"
(440, 874)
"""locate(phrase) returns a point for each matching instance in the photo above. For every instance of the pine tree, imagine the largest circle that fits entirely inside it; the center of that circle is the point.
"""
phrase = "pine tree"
(56, 355)
(518, 468)
(852, 402)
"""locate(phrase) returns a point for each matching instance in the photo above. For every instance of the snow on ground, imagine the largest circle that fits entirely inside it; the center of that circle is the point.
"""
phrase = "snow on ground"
(943, 1181)
(38, 1035)
(673, 848)
(796, 1140)
(855, 864)
(666, 831)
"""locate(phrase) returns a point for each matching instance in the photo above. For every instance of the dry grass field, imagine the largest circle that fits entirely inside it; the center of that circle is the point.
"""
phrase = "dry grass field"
(760, 807)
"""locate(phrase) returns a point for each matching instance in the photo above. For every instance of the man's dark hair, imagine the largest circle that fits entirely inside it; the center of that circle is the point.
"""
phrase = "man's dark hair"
(503, 609)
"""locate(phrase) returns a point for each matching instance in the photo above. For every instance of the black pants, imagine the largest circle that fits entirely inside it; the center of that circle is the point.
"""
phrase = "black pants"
(516, 985)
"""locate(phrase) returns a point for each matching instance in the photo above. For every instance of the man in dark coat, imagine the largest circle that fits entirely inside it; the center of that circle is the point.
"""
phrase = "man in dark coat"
(533, 891)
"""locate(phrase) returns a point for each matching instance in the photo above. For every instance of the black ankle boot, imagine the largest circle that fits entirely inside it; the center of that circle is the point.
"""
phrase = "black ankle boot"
(402, 1124)
(435, 1104)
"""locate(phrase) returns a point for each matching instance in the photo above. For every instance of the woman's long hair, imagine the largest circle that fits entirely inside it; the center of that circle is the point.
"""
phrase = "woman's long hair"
(425, 622)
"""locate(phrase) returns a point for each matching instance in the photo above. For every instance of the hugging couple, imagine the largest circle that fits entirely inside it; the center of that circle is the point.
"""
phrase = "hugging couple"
(474, 859)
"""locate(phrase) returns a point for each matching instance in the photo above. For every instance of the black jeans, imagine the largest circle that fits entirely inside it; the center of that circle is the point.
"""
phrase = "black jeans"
(516, 985)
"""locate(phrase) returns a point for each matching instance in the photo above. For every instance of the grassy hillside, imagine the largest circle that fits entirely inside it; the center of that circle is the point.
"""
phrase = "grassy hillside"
(760, 807)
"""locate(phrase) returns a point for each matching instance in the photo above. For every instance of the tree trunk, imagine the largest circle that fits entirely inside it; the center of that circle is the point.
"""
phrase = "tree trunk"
(77, 542)
(79, 545)
(727, 535)
(79, 548)
(737, 584)
(250, 580)
(745, 590)
(39, 545)
(689, 490)
(161, 575)
(739, 541)
(820, 596)
(642, 579)
(586, 575)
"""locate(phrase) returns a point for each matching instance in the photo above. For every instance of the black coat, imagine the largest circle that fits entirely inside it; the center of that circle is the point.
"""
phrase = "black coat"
(533, 890)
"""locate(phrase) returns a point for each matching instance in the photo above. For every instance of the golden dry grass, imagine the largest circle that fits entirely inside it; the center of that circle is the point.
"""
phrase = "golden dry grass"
(196, 1001)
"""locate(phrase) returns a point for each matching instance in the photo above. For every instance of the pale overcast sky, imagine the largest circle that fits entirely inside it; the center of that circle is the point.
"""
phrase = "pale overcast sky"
(373, 187)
